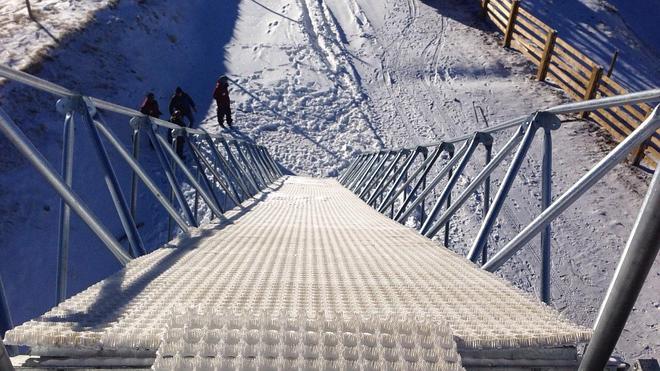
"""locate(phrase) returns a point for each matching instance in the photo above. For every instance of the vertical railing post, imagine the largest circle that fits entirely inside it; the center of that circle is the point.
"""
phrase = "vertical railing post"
(422, 210)
(447, 224)
(135, 143)
(548, 49)
(43, 167)
(592, 86)
(636, 262)
(538, 120)
(111, 181)
(508, 34)
(65, 211)
(546, 200)
(489, 154)
(141, 173)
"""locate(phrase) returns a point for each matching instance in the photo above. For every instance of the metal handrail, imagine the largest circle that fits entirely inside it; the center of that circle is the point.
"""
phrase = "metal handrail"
(642, 247)
(215, 174)
(562, 109)
(62, 92)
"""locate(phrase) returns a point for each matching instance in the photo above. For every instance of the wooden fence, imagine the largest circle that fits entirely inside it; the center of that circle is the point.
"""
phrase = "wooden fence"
(579, 76)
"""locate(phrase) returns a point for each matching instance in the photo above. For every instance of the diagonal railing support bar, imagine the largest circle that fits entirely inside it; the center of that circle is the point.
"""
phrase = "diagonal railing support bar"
(27, 149)
(349, 171)
(539, 119)
(245, 173)
(481, 177)
(270, 166)
(193, 182)
(639, 135)
(479, 138)
(218, 178)
(636, 262)
(278, 171)
(253, 163)
(142, 175)
(110, 178)
(197, 158)
(261, 162)
(409, 204)
(388, 176)
(359, 164)
(401, 174)
(358, 170)
(372, 179)
(365, 172)
(232, 173)
(64, 230)
(175, 187)
(248, 169)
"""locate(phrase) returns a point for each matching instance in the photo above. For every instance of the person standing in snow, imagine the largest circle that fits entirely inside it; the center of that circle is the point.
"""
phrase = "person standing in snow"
(150, 107)
(221, 96)
(182, 102)
(179, 140)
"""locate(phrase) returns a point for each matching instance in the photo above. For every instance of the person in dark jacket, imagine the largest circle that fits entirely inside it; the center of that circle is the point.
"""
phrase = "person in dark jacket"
(150, 107)
(179, 141)
(221, 96)
(182, 102)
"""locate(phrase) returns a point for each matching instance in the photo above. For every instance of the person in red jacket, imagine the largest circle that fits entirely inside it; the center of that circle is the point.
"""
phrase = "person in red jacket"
(221, 96)
(149, 106)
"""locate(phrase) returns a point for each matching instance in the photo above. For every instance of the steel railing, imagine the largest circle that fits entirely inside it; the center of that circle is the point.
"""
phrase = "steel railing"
(223, 168)
(404, 190)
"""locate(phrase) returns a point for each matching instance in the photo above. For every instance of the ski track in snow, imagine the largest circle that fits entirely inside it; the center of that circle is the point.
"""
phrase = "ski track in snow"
(318, 81)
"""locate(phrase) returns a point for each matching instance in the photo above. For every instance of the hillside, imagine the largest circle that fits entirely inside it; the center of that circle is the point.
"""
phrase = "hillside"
(316, 82)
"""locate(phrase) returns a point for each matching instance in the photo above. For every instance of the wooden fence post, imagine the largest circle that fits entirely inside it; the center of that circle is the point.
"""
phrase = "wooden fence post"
(638, 154)
(508, 34)
(484, 7)
(596, 74)
(550, 39)
(612, 63)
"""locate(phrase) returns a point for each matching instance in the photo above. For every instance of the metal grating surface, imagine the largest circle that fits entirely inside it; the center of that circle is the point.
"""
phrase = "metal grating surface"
(308, 246)
(314, 341)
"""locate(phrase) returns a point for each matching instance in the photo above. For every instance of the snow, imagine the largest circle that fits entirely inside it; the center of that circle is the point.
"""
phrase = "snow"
(318, 82)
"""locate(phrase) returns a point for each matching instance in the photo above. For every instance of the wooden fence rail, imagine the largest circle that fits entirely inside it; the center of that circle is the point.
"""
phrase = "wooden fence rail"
(577, 74)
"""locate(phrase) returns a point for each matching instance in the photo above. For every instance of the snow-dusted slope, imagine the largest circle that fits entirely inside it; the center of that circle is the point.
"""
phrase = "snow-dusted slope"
(25, 41)
(317, 82)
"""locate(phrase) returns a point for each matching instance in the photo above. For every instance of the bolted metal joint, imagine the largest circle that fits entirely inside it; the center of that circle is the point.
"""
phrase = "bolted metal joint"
(139, 122)
(545, 120)
(484, 138)
(76, 103)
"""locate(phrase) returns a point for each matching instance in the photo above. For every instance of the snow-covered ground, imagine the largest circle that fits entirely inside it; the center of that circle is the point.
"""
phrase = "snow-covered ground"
(317, 82)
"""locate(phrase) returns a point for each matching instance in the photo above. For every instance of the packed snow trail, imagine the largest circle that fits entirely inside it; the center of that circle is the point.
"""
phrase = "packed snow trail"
(318, 81)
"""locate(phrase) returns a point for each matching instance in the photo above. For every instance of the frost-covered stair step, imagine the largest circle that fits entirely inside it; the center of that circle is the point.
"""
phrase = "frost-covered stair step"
(308, 245)
(314, 341)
